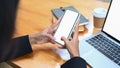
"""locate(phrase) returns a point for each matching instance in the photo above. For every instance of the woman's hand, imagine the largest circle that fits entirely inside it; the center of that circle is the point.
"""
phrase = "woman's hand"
(72, 44)
(45, 36)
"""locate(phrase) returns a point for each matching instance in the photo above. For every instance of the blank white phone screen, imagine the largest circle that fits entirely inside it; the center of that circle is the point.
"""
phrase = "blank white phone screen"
(66, 25)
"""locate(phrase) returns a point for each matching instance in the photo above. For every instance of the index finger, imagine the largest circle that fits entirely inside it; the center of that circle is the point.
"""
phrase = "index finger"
(55, 24)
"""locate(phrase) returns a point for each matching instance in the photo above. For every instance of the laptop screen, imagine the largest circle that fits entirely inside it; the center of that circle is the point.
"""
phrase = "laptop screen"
(112, 23)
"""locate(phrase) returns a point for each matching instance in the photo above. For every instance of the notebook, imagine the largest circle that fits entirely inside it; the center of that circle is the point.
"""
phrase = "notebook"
(102, 50)
(58, 12)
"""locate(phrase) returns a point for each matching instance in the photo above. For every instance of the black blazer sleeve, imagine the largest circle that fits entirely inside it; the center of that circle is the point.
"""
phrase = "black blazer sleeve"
(75, 62)
(18, 47)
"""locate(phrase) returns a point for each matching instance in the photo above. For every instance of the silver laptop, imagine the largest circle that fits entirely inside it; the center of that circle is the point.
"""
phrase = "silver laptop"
(102, 50)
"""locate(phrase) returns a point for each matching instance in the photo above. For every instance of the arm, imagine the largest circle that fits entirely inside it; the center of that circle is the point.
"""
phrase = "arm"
(18, 47)
(22, 45)
(72, 46)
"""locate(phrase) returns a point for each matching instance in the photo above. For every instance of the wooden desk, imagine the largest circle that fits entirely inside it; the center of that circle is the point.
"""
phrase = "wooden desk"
(34, 16)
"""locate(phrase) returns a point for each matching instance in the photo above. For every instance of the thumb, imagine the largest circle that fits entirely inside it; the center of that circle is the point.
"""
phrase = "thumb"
(64, 39)
(50, 37)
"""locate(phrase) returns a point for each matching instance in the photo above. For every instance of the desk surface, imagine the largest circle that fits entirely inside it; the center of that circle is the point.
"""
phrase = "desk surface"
(34, 16)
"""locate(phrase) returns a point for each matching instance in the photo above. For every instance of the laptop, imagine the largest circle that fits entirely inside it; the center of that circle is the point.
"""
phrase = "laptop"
(102, 50)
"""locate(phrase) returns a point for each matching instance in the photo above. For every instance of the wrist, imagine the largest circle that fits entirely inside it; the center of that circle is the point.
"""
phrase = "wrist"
(75, 55)
(32, 39)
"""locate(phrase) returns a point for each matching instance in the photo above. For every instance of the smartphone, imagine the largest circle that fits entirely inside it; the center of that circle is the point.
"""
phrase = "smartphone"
(66, 26)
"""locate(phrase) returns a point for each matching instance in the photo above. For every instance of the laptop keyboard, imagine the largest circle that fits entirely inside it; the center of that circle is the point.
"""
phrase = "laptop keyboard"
(106, 46)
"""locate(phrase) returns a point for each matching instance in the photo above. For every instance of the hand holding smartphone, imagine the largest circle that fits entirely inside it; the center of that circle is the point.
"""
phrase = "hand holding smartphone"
(66, 26)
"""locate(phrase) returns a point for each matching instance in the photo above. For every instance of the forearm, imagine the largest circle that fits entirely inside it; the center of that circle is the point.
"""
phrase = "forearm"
(18, 47)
